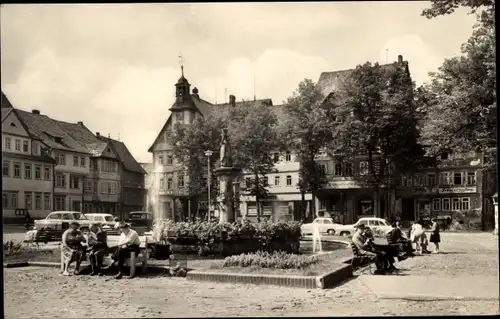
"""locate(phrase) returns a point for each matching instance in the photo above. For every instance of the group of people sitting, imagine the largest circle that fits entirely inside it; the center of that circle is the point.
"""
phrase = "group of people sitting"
(80, 243)
(400, 246)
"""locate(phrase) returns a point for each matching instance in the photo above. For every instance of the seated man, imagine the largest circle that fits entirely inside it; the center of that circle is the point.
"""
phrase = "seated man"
(389, 251)
(129, 242)
(363, 243)
(402, 245)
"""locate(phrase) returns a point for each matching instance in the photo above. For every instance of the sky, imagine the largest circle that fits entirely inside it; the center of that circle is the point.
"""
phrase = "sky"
(114, 66)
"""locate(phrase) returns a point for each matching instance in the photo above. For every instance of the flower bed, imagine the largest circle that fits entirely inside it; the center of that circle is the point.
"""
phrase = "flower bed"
(16, 252)
(279, 260)
(230, 238)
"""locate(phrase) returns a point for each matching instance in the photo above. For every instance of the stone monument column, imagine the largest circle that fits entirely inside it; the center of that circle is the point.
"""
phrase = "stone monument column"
(226, 174)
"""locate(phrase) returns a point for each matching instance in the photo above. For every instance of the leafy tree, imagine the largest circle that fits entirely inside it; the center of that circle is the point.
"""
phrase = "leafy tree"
(460, 102)
(254, 136)
(307, 130)
(375, 108)
(189, 143)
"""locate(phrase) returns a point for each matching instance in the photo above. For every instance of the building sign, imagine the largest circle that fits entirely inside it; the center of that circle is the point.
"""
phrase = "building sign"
(456, 190)
(343, 184)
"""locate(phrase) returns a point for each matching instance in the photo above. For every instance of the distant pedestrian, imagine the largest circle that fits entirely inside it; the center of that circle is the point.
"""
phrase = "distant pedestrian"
(435, 238)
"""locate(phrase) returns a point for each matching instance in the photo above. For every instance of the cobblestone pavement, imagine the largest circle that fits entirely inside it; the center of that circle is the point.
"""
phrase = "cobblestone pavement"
(41, 292)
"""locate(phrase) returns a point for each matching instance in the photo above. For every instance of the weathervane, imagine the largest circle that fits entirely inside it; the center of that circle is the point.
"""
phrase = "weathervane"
(181, 61)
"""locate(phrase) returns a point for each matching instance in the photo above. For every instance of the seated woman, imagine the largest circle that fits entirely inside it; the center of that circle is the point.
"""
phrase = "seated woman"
(71, 247)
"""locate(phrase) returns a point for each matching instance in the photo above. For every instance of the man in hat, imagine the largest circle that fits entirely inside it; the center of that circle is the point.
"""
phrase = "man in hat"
(364, 244)
(129, 242)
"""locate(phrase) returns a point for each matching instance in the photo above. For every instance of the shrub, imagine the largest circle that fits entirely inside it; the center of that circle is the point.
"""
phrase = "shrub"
(278, 260)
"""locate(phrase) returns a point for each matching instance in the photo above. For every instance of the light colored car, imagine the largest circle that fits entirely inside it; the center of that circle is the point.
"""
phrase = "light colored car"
(377, 225)
(61, 220)
(103, 219)
(325, 225)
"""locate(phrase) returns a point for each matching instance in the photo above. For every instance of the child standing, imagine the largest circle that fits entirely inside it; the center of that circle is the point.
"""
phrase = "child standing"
(435, 238)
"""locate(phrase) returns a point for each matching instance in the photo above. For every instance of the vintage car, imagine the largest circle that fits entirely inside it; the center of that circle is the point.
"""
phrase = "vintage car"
(324, 224)
(378, 226)
(61, 219)
(103, 219)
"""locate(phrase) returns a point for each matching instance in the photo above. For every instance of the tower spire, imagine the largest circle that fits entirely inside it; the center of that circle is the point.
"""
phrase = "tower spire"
(181, 61)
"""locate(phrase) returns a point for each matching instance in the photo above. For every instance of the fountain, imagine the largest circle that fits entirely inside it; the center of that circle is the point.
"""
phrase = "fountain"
(226, 174)
(316, 239)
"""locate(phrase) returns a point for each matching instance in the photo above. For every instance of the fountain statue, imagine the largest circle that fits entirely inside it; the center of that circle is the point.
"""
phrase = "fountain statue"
(226, 174)
(316, 238)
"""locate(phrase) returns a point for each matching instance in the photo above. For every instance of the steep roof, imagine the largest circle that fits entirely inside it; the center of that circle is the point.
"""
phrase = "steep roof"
(330, 81)
(50, 131)
(4, 101)
(127, 159)
(5, 112)
(82, 135)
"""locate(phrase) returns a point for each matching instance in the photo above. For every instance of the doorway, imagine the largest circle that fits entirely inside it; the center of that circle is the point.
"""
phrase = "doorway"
(408, 209)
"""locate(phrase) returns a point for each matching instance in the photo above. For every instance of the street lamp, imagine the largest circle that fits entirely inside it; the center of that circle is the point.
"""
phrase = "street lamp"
(208, 154)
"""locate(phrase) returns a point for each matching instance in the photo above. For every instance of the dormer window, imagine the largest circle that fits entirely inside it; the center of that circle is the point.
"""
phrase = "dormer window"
(179, 117)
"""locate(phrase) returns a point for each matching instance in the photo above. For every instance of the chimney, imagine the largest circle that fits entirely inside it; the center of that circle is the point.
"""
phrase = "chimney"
(98, 134)
(195, 93)
(79, 123)
(400, 58)
(35, 112)
(232, 100)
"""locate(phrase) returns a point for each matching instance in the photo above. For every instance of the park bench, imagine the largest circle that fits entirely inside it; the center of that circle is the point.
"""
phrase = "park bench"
(42, 236)
(359, 259)
(141, 258)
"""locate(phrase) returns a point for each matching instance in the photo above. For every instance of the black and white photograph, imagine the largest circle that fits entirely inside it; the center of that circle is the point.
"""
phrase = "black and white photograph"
(248, 159)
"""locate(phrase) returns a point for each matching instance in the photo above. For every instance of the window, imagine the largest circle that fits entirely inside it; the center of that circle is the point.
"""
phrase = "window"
(160, 159)
(446, 204)
(162, 183)
(465, 203)
(248, 182)
(104, 187)
(7, 143)
(276, 157)
(13, 200)
(322, 168)
(112, 190)
(337, 169)
(444, 178)
(61, 159)
(170, 183)
(94, 164)
(288, 157)
(18, 144)
(35, 146)
(457, 178)
(266, 180)
(25, 147)
(455, 203)
(431, 179)
(74, 182)
(82, 162)
(406, 181)
(276, 180)
(5, 168)
(56, 216)
(170, 160)
(363, 168)
(88, 186)
(471, 178)
(436, 204)
(5, 200)
(59, 203)
(46, 173)
(38, 171)
(17, 170)
(289, 180)
(28, 200)
(419, 180)
(27, 171)
(38, 200)
(179, 117)
(180, 181)
(348, 169)
(60, 180)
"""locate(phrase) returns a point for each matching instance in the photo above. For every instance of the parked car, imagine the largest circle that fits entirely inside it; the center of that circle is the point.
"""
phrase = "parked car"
(325, 225)
(377, 225)
(61, 220)
(103, 219)
(140, 221)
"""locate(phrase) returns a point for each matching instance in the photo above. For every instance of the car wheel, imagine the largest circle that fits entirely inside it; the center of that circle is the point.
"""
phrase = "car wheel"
(345, 233)
(331, 232)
